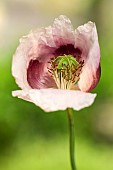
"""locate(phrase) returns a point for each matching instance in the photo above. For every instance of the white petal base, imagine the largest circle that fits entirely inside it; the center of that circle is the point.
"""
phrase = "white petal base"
(56, 99)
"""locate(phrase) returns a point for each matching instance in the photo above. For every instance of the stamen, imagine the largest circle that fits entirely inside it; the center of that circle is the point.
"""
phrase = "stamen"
(65, 70)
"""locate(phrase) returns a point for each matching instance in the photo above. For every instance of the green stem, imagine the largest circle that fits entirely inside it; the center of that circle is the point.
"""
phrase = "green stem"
(72, 137)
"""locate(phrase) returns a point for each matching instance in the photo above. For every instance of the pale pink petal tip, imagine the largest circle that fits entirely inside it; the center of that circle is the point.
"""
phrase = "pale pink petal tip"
(91, 71)
(54, 99)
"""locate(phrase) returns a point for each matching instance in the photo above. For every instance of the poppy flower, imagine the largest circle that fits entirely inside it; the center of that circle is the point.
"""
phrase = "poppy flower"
(56, 67)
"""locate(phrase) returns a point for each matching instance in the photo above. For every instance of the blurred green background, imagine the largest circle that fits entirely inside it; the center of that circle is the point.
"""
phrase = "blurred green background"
(31, 139)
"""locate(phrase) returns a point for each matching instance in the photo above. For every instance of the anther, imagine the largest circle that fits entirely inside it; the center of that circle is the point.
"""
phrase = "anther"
(65, 70)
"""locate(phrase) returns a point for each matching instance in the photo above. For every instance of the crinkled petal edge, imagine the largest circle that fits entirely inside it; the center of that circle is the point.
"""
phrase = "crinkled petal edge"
(56, 99)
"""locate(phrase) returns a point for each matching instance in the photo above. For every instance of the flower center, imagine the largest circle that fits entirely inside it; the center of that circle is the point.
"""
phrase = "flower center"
(65, 70)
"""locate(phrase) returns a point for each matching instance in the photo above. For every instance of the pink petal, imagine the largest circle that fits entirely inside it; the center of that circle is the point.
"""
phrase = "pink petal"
(55, 99)
(62, 31)
(38, 76)
(26, 51)
(29, 49)
(91, 54)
